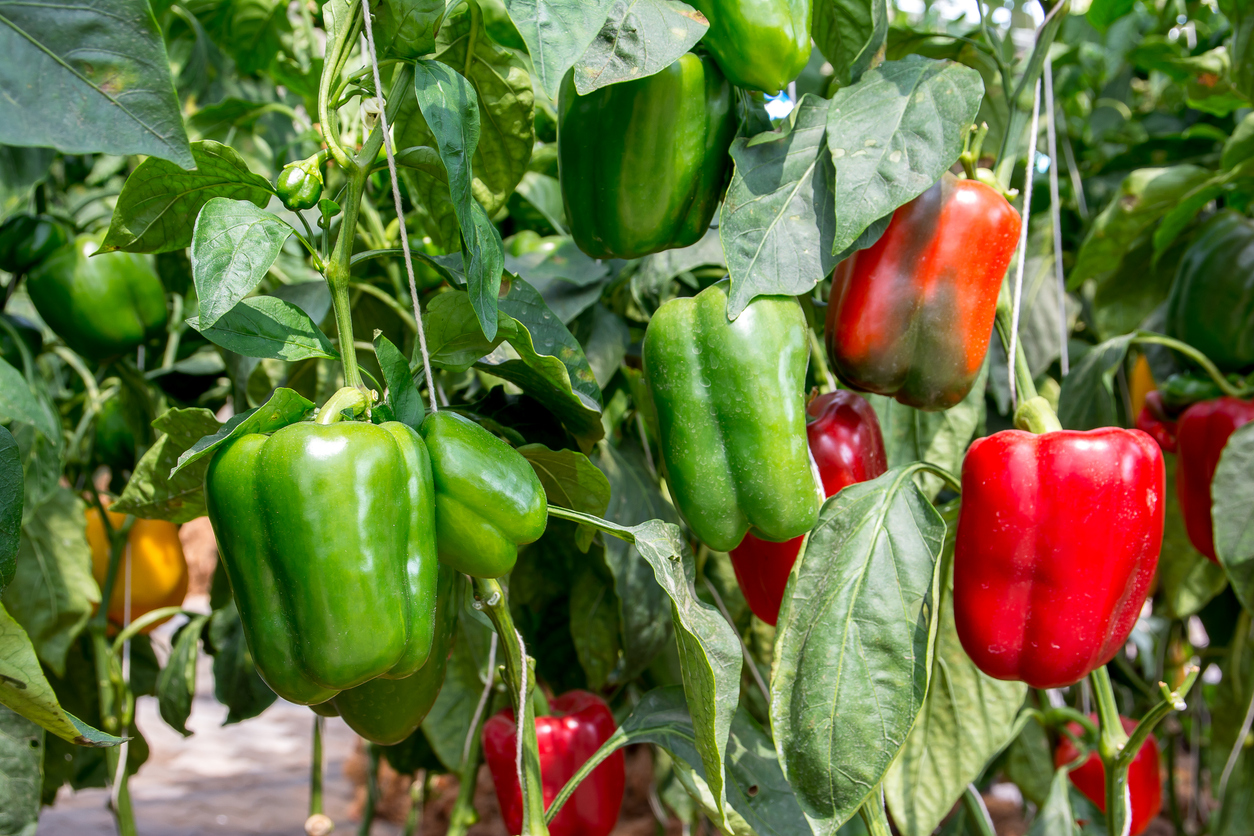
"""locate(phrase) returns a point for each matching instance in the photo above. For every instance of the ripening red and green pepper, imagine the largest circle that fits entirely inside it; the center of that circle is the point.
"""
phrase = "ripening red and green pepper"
(1145, 786)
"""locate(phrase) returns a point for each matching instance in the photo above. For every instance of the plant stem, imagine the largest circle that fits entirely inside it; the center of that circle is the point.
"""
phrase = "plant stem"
(417, 803)
(873, 815)
(463, 814)
(315, 769)
(1112, 742)
(977, 811)
(1019, 115)
(520, 676)
(1225, 385)
(1024, 384)
(372, 790)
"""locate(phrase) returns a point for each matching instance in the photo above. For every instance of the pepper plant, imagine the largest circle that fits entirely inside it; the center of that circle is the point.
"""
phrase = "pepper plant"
(848, 401)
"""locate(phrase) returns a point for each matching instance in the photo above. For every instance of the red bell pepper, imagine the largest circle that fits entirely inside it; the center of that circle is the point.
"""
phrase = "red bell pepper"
(1058, 539)
(579, 723)
(1145, 784)
(847, 446)
(1201, 434)
(1153, 419)
(911, 315)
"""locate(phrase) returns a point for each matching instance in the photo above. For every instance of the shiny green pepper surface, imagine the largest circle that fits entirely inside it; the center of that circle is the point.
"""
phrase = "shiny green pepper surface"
(1211, 305)
(327, 534)
(760, 44)
(730, 401)
(488, 499)
(26, 240)
(299, 185)
(643, 163)
(102, 306)
(387, 711)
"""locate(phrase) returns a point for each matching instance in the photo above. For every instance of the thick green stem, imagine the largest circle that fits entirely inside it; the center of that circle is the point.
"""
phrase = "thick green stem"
(520, 676)
(1196, 356)
(977, 811)
(315, 769)
(114, 696)
(874, 816)
(372, 790)
(463, 814)
(1036, 416)
(348, 399)
(1112, 742)
(417, 803)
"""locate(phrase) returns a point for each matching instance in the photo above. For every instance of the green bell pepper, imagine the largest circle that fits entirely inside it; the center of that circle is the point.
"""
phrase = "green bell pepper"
(26, 240)
(760, 44)
(102, 306)
(1211, 304)
(387, 711)
(488, 499)
(643, 163)
(299, 184)
(730, 403)
(327, 534)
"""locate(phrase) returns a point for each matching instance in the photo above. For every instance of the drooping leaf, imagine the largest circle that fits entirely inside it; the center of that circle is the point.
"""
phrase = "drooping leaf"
(89, 76)
(21, 773)
(777, 222)
(236, 683)
(52, 593)
(448, 722)
(855, 630)
(24, 689)
(284, 407)
(19, 403)
(1187, 580)
(1232, 493)
(11, 495)
(233, 245)
(152, 493)
(266, 326)
(402, 394)
(159, 203)
(1055, 818)
(638, 39)
(1088, 392)
(176, 684)
(571, 480)
(557, 33)
(849, 33)
(893, 134)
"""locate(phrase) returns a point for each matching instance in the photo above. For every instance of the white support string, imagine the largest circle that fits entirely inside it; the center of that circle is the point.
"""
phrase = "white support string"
(396, 199)
(1055, 210)
(1023, 244)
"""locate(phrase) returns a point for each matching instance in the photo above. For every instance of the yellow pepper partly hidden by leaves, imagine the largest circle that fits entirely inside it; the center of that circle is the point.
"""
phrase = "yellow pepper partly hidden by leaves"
(158, 568)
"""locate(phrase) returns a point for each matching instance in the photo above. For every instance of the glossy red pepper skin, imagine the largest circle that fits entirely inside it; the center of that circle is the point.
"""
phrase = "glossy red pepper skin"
(911, 315)
(1201, 434)
(1145, 784)
(1058, 539)
(846, 443)
(579, 723)
(1153, 419)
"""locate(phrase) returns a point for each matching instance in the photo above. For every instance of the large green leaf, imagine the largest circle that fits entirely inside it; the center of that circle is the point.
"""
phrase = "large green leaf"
(777, 222)
(11, 494)
(151, 492)
(19, 403)
(24, 689)
(88, 76)
(284, 407)
(267, 326)
(849, 33)
(53, 593)
(967, 718)
(1088, 391)
(639, 38)
(159, 203)
(853, 646)
(233, 245)
(1233, 513)
(557, 33)
(21, 773)
(176, 684)
(571, 480)
(893, 134)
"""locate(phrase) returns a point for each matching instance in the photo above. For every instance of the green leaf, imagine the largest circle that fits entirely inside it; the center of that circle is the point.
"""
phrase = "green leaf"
(709, 651)
(176, 684)
(89, 76)
(284, 407)
(1232, 493)
(152, 493)
(52, 593)
(160, 202)
(1055, 818)
(450, 108)
(967, 719)
(18, 403)
(893, 134)
(569, 281)
(11, 493)
(571, 480)
(24, 689)
(595, 630)
(1144, 196)
(759, 798)
(21, 773)
(638, 39)
(448, 722)
(545, 194)
(1240, 146)
(643, 604)
(233, 245)
(856, 630)
(777, 222)
(1183, 213)
(266, 326)
(849, 33)
(402, 394)
(236, 683)
(506, 103)
(657, 271)
(1088, 391)
(939, 438)
(557, 33)
(1187, 580)
(1102, 13)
